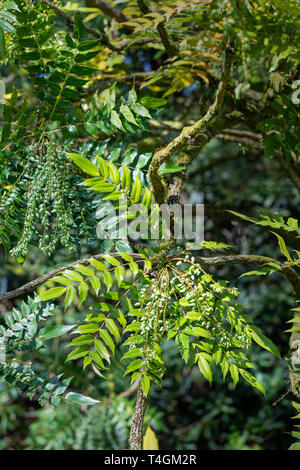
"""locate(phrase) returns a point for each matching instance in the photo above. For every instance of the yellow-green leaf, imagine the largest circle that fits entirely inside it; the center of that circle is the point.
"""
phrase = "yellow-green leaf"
(83, 291)
(98, 265)
(252, 380)
(145, 383)
(103, 167)
(70, 296)
(114, 173)
(234, 372)
(263, 341)
(136, 190)
(84, 164)
(205, 368)
(52, 293)
(150, 441)
(128, 114)
(282, 246)
(126, 178)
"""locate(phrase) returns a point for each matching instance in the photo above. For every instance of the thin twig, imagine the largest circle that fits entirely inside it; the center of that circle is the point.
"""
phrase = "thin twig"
(170, 47)
(108, 10)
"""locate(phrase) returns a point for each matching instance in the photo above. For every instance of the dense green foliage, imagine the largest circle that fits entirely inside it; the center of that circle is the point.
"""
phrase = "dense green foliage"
(110, 105)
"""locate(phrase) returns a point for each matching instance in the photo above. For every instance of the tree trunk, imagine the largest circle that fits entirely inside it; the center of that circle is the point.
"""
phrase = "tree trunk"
(136, 431)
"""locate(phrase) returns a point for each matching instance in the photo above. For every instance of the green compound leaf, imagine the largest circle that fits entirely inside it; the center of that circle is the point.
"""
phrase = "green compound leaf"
(263, 341)
(205, 368)
(151, 102)
(50, 294)
(252, 380)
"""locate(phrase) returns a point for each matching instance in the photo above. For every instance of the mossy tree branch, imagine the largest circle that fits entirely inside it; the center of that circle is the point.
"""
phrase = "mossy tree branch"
(202, 129)
(107, 9)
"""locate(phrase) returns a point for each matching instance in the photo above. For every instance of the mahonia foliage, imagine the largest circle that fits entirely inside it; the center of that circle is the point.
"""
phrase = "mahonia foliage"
(60, 66)
(21, 335)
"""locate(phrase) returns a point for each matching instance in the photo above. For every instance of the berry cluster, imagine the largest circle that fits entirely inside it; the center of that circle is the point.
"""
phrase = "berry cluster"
(51, 206)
